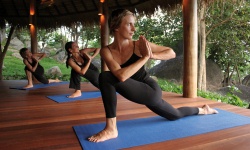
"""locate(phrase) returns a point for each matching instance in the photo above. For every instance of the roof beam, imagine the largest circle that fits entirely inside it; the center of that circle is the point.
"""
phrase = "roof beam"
(26, 7)
(56, 8)
(74, 5)
(96, 6)
(84, 5)
(15, 7)
(65, 7)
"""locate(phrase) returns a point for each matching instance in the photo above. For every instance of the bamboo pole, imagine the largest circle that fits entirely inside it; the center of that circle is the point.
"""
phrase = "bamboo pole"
(190, 48)
(104, 27)
(33, 26)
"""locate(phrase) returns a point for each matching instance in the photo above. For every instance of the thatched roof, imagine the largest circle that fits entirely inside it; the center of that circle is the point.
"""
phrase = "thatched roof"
(65, 12)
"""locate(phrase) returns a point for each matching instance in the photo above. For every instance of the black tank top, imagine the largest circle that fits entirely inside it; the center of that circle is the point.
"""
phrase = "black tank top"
(91, 66)
(39, 69)
(141, 74)
(80, 65)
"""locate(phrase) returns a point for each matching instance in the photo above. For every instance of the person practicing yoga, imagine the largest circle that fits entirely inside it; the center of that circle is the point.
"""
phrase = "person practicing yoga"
(32, 67)
(125, 60)
(80, 63)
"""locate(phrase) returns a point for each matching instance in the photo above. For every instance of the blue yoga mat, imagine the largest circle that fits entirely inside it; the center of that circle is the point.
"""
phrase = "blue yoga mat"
(157, 129)
(85, 95)
(40, 85)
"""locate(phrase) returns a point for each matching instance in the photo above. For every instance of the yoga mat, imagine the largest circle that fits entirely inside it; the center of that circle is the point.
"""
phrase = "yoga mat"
(157, 129)
(63, 98)
(40, 85)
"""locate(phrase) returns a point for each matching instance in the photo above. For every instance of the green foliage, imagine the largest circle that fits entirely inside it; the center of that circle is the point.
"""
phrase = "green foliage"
(228, 43)
(230, 98)
(14, 67)
(162, 28)
(170, 86)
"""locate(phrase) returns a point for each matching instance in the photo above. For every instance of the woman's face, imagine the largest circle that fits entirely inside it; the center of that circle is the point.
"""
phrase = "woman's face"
(127, 27)
(74, 48)
(27, 54)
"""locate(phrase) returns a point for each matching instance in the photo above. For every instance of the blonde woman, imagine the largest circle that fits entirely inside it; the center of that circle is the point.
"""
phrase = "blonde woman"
(125, 60)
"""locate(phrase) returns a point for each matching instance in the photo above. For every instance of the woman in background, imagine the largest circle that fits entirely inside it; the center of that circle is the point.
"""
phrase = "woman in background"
(81, 66)
(32, 67)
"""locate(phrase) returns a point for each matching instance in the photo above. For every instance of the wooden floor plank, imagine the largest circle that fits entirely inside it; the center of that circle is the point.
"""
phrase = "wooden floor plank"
(29, 120)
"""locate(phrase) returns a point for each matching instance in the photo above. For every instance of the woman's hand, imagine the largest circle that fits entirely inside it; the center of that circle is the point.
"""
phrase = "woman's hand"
(144, 47)
(35, 59)
(87, 56)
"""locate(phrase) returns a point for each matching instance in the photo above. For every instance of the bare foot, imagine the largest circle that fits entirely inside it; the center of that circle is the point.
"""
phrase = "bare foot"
(57, 80)
(208, 110)
(104, 135)
(77, 93)
(53, 81)
(28, 86)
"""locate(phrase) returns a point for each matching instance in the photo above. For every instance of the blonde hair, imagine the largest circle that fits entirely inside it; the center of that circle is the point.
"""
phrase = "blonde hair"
(116, 18)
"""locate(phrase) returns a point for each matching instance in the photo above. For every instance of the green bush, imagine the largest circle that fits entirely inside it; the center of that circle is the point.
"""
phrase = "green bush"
(230, 98)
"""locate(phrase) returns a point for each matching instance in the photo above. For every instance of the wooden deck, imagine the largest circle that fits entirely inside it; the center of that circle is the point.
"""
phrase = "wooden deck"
(29, 120)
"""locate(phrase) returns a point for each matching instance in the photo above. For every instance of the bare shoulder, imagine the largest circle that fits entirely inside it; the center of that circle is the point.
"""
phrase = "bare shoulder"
(104, 50)
(70, 61)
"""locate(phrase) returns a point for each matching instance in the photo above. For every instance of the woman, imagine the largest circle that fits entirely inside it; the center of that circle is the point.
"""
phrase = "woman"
(32, 67)
(80, 63)
(125, 60)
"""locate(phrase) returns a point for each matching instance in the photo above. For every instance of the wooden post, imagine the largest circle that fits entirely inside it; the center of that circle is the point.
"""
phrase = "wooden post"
(190, 48)
(104, 28)
(33, 26)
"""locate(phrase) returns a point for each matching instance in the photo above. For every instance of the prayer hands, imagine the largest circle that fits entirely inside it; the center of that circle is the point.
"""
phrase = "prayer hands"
(144, 47)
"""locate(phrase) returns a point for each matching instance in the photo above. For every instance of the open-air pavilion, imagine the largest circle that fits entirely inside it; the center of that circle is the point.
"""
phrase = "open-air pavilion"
(29, 120)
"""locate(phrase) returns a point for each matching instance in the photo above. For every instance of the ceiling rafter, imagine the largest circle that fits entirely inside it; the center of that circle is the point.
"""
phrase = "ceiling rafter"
(65, 12)
(25, 7)
(65, 7)
(50, 11)
(95, 5)
(84, 5)
(15, 8)
(74, 5)
(57, 10)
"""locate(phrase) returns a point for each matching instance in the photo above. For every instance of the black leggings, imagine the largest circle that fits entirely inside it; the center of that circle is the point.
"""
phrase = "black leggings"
(91, 75)
(39, 74)
(147, 92)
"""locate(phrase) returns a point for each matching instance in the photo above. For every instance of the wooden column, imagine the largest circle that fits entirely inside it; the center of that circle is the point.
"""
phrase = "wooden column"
(33, 26)
(190, 48)
(104, 27)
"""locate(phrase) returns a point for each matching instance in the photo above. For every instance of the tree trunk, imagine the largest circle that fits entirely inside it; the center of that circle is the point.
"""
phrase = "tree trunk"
(202, 54)
(3, 52)
(238, 74)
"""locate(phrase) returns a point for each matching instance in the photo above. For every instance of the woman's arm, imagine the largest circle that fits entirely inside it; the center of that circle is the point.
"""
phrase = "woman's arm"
(158, 52)
(122, 73)
(94, 51)
(145, 49)
(32, 69)
(78, 69)
(39, 56)
(161, 52)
